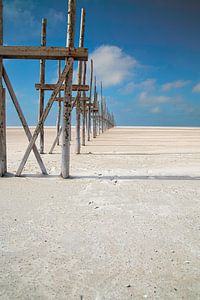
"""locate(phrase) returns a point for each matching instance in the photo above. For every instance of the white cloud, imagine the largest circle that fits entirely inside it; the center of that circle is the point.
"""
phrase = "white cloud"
(155, 110)
(196, 88)
(112, 65)
(174, 85)
(146, 85)
(147, 99)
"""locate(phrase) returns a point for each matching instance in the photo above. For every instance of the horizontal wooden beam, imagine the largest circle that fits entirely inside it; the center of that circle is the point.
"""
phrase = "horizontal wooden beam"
(51, 87)
(53, 53)
(73, 98)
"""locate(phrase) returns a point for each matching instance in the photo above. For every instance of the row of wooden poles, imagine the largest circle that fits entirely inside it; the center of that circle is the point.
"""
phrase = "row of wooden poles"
(91, 111)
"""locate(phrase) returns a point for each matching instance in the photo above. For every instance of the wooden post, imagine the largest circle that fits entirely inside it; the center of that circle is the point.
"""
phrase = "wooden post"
(90, 97)
(3, 155)
(94, 106)
(99, 118)
(42, 81)
(59, 104)
(102, 110)
(84, 105)
(66, 125)
(63, 76)
(78, 115)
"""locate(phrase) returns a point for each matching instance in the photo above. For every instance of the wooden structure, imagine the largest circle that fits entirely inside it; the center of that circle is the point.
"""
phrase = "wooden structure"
(86, 107)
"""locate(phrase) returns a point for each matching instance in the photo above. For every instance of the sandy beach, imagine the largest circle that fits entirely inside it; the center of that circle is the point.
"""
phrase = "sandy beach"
(126, 225)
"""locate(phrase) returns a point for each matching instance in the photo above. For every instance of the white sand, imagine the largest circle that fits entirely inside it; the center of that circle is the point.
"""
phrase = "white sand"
(126, 226)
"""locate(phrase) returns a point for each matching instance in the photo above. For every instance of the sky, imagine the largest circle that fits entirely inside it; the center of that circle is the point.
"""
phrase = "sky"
(146, 53)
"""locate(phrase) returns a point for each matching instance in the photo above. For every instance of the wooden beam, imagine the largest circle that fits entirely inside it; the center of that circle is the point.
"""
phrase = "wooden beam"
(52, 53)
(90, 97)
(44, 116)
(51, 87)
(22, 119)
(80, 71)
(66, 119)
(84, 105)
(3, 156)
(42, 81)
(59, 104)
(83, 99)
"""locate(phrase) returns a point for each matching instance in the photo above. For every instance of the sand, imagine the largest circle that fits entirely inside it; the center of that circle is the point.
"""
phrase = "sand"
(125, 226)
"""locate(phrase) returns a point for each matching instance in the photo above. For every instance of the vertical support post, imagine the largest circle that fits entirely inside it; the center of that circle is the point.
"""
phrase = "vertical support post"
(3, 154)
(99, 118)
(59, 103)
(65, 164)
(80, 64)
(84, 105)
(90, 97)
(93, 109)
(42, 81)
(102, 110)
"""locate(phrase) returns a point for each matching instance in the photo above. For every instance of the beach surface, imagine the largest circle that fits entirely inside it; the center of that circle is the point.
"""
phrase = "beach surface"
(126, 225)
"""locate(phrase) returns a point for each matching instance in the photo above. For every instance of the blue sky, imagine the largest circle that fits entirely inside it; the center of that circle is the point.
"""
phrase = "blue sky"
(146, 52)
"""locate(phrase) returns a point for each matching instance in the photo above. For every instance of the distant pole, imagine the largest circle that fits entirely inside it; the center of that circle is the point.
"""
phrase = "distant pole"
(102, 112)
(3, 155)
(42, 81)
(80, 64)
(84, 105)
(59, 103)
(90, 97)
(66, 125)
(93, 108)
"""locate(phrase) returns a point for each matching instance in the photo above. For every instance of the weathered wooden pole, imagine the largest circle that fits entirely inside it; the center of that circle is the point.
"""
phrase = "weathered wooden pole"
(59, 103)
(42, 81)
(3, 155)
(84, 105)
(102, 110)
(90, 97)
(66, 124)
(93, 109)
(99, 118)
(80, 64)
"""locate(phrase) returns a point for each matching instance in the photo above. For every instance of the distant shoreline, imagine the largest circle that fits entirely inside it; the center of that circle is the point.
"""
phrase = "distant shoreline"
(164, 127)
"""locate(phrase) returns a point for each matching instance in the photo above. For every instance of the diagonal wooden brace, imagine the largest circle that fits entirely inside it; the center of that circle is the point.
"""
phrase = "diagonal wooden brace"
(45, 114)
(22, 119)
(60, 130)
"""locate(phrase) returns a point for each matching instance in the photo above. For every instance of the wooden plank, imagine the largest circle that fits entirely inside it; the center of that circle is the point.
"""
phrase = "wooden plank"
(42, 80)
(44, 116)
(66, 120)
(52, 53)
(22, 119)
(82, 99)
(51, 87)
